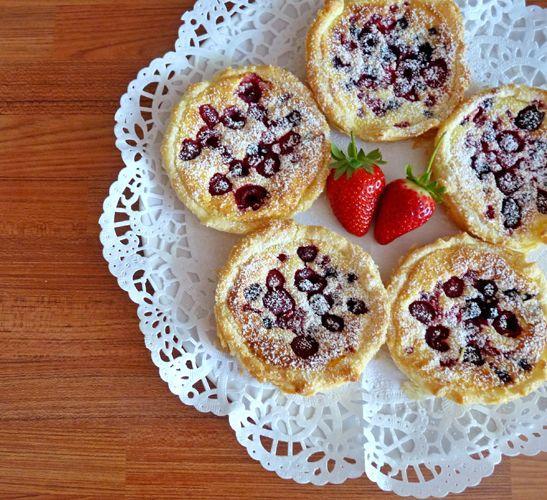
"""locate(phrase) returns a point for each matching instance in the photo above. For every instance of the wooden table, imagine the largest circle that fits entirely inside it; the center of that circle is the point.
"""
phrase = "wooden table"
(83, 411)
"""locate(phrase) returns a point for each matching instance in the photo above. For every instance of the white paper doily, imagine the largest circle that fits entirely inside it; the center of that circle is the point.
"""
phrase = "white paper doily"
(167, 263)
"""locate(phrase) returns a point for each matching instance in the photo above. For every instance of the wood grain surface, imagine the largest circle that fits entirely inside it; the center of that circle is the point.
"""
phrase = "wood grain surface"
(83, 412)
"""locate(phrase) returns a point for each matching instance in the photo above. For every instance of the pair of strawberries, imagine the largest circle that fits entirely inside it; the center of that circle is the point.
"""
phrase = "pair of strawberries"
(356, 188)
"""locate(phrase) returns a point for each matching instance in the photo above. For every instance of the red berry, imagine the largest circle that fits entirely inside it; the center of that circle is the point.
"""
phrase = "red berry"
(209, 115)
(407, 203)
(354, 199)
(250, 88)
(354, 186)
(403, 207)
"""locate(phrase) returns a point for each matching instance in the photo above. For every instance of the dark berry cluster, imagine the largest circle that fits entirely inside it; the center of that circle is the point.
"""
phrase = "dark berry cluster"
(264, 157)
(278, 301)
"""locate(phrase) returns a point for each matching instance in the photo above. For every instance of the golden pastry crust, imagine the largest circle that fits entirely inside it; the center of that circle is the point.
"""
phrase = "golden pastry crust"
(262, 155)
(493, 169)
(300, 307)
(388, 77)
(468, 321)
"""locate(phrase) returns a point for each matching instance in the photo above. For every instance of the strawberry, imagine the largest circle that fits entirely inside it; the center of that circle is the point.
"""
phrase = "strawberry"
(407, 203)
(354, 186)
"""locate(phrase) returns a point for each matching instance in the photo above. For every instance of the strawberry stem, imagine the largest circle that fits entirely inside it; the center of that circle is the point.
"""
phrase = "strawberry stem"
(432, 158)
(424, 181)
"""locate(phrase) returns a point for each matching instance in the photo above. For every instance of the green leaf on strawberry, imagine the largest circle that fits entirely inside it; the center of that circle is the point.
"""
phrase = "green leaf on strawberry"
(347, 163)
(336, 153)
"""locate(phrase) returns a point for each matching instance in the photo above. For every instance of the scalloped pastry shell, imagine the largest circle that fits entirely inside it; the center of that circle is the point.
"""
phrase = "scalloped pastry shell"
(420, 270)
(333, 100)
(289, 194)
(283, 235)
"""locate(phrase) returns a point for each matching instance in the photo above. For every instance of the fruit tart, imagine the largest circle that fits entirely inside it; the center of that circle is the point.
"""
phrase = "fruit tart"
(493, 164)
(387, 70)
(300, 307)
(469, 321)
(246, 148)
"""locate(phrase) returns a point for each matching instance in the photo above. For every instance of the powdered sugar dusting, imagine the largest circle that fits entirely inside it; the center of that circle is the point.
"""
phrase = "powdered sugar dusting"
(306, 300)
(271, 139)
(392, 59)
(494, 328)
(503, 161)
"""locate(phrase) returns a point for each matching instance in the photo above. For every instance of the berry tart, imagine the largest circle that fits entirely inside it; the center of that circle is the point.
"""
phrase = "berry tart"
(300, 307)
(387, 70)
(493, 164)
(248, 147)
(469, 321)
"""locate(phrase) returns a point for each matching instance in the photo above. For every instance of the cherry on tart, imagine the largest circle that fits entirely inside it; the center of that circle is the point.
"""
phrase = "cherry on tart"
(493, 164)
(387, 70)
(469, 321)
(300, 307)
(246, 148)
